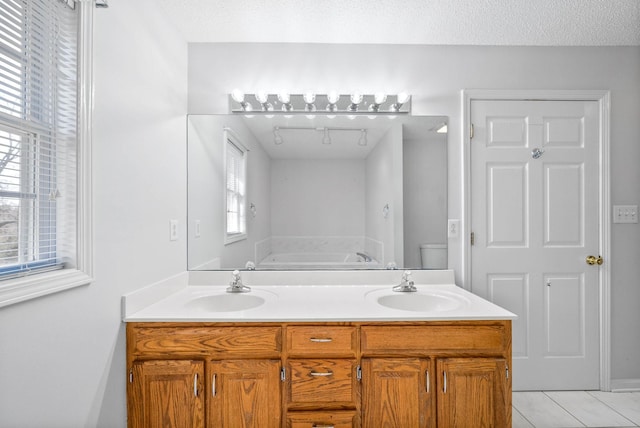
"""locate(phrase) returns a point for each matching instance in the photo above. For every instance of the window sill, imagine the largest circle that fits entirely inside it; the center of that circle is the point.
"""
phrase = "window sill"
(27, 288)
(230, 239)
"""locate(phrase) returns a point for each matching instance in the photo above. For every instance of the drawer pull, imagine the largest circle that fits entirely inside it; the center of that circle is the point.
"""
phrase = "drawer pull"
(321, 339)
(321, 373)
(322, 426)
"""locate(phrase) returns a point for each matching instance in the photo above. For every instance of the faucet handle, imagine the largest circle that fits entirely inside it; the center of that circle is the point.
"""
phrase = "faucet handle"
(236, 277)
(406, 276)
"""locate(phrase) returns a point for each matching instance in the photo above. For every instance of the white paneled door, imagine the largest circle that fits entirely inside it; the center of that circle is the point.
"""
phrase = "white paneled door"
(535, 219)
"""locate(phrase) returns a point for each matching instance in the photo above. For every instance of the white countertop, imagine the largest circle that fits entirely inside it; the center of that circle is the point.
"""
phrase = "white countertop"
(308, 297)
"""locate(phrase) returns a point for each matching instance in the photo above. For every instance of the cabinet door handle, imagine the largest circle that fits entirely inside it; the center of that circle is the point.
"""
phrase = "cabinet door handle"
(195, 385)
(428, 381)
(321, 373)
(322, 426)
(321, 339)
(213, 385)
(445, 382)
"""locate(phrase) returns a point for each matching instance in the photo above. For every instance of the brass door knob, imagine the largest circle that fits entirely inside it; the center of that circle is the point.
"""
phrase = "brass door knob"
(593, 260)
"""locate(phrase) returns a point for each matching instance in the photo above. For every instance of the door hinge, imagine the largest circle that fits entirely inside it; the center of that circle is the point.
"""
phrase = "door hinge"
(507, 371)
(358, 372)
(131, 376)
(473, 238)
(471, 132)
(283, 374)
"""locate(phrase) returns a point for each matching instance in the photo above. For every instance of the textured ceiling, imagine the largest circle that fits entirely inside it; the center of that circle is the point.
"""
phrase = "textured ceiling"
(433, 22)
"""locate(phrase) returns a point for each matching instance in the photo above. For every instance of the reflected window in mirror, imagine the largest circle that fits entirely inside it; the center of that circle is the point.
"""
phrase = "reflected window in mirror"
(236, 188)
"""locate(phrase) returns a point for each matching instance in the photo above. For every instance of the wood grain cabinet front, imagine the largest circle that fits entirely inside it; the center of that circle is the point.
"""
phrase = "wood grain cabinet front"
(429, 374)
(321, 341)
(324, 419)
(166, 393)
(322, 384)
(244, 393)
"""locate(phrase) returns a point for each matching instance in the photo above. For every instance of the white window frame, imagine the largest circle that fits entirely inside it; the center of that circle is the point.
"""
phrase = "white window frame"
(21, 289)
(230, 138)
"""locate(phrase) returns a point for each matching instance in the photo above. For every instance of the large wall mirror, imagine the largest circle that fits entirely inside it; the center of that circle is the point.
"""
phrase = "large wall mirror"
(298, 192)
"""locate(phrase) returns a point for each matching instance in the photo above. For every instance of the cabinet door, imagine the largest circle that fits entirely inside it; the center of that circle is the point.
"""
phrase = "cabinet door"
(473, 392)
(244, 394)
(166, 394)
(398, 393)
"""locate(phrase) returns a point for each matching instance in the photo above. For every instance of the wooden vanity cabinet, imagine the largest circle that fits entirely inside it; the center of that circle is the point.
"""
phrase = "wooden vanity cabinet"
(244, 393)
(167, 393)
(473, 392)
(398, 392)
(204, 375)
(436, 374)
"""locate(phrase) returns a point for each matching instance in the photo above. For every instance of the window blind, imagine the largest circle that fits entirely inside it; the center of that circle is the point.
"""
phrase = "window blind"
(38, 127)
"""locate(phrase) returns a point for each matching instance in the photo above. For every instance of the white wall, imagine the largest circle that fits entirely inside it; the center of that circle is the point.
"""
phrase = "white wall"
(207, 192)
(384, 188)
(62, 357)
(435, 75)
(422, 185)
(304, 200)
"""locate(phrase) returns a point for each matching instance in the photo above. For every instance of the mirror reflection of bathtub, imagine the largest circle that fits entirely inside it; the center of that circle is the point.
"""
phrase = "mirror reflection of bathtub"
(316, 261)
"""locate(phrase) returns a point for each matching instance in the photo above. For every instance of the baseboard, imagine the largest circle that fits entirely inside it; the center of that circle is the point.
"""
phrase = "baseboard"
(625, 385)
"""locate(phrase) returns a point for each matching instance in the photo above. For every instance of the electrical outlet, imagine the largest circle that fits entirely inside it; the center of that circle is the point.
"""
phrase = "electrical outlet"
(453, 228)
(173, 230)
(625, 213)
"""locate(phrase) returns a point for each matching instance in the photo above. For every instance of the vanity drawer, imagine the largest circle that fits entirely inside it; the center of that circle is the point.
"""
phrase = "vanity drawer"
(322, 383)
(461, 338)
(149, 340)
(322, 341)
(321, 419)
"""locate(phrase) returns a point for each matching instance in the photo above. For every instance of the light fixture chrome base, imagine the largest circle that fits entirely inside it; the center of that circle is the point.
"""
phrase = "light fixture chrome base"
(344, 106)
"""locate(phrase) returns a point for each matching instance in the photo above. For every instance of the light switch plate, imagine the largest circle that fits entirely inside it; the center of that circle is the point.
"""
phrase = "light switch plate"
(625, 213)
(453, 228)
(173, 230)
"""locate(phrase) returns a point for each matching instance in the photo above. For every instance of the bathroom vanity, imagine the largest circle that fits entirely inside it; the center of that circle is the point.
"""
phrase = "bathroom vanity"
(318, 355)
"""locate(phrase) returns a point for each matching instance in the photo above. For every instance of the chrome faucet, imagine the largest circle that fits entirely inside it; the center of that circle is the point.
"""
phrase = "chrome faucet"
(407, 284)
(236, 285)
(366, 257)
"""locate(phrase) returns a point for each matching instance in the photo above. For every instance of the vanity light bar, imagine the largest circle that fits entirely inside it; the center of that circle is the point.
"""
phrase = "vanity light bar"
(331, 103)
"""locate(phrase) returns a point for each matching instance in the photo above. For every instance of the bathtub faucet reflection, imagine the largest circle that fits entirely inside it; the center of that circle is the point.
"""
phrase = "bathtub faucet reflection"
(365, 257)
(236, 285)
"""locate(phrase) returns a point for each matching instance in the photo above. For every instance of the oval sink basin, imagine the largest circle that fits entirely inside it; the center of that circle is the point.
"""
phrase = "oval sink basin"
(228, 302)
(420, 302)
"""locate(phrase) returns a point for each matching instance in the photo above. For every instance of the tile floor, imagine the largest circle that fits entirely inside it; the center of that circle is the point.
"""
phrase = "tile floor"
(573, 409)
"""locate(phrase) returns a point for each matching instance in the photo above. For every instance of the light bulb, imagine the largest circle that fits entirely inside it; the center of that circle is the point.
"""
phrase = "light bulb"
(379, 98)
(356, 98)
(403, 97)
(262, 97)
(237, 95)
(284, 98)
(333, 97)
(309, 97)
